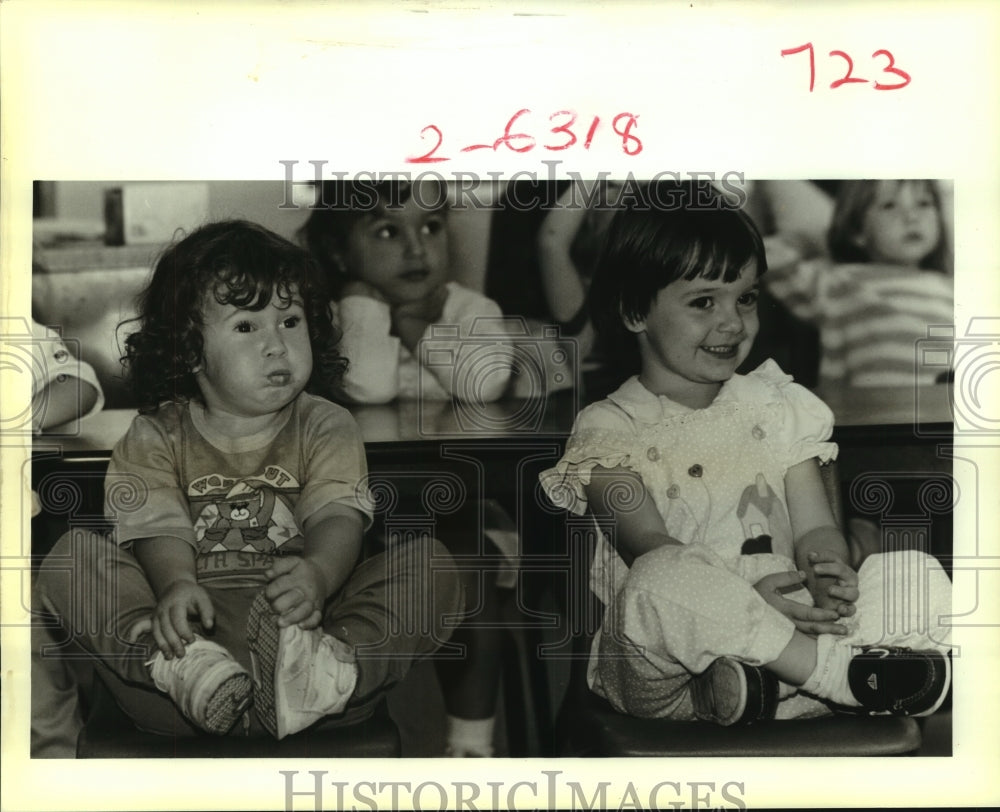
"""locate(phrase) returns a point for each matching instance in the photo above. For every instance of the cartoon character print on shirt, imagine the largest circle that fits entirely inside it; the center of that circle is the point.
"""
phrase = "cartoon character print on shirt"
(244, 517)
(247, 514)
(766, 528)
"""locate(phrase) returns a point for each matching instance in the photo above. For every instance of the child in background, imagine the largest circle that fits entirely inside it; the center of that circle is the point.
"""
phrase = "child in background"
(890, 279)
(544, 241)
(64, 389)
(724, 578)
(568, 245)
(239, 567)
(385, 249)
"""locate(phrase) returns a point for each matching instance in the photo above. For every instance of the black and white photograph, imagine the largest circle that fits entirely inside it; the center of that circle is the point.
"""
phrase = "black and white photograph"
(564, 427)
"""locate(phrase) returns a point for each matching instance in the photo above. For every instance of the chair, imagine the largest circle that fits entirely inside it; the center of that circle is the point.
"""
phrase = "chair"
(108, 732)
(587, 725)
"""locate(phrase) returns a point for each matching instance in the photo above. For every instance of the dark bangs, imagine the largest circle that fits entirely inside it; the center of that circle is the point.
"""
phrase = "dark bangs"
(649, 247)
(680, 230)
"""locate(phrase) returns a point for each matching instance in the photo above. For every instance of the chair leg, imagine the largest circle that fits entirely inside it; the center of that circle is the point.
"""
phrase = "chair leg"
(527, 708)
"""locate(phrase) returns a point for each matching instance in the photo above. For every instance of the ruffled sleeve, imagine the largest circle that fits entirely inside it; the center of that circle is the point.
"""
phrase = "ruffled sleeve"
(600, 436)
(802, 424)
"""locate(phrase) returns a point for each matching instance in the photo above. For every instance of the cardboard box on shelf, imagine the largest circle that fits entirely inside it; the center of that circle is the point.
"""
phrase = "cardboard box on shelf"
(145, 213)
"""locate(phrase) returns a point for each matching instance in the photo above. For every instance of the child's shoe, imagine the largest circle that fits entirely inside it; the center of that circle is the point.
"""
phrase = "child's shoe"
(299, 676)
(894, 681)
(211, 689)
(729, 692)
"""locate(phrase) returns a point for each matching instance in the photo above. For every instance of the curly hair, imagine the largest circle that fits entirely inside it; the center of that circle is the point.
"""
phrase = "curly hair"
(238, 263)
(669, 230)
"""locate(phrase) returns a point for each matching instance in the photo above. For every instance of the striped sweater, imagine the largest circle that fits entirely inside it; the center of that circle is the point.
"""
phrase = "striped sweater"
(870, 317)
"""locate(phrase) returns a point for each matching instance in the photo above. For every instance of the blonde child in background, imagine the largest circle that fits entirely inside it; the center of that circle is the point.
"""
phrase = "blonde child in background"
(726, 586)
(888, 278)
(410, 332)
(238, 572)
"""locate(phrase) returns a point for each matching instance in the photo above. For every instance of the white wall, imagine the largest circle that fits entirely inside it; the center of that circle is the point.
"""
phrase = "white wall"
(253, 200)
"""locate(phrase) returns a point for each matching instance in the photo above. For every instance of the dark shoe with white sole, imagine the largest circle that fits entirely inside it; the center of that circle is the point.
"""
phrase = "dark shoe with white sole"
(730, 692)
(895, 681)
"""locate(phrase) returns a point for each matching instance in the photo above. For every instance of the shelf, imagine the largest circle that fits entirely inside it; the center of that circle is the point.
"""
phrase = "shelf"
(97, 256)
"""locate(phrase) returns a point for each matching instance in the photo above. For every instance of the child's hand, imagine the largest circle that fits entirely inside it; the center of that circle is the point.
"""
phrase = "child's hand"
(428, 309)
(833, 584)
(358, 288)
(807, 619)
(410, 320)
(296, 592)
(180, 601)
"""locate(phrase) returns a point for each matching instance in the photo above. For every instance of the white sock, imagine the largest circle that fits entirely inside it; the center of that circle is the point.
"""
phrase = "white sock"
(469, 737)
(829, 679)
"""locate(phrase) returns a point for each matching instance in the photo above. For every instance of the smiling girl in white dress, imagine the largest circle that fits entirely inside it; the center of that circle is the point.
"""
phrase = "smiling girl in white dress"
(725, 581)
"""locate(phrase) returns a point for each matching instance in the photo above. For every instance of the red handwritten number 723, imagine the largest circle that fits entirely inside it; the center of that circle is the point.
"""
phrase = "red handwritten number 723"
(848, 77)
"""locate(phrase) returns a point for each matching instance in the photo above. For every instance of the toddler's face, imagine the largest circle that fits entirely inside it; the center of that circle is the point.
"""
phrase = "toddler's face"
(901, 226)
(255, 362)
(696, 334)
(403, 252)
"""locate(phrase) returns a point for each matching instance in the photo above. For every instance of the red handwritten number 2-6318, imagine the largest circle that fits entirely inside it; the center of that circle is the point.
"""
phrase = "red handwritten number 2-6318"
(561, 132)
(882, 59)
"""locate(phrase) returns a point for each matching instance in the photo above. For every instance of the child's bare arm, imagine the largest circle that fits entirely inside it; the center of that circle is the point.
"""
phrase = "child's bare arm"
(801, 211)
(169, 565)
(620, 494)
(299, 586)
(564, 290)
(820, 548)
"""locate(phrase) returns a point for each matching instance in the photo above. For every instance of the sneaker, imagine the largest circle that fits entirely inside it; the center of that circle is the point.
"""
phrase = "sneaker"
(898, 681)
(729, 692)
(211, 689)
(298, 676)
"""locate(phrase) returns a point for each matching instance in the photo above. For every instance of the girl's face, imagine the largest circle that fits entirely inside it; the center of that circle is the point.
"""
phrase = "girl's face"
(696, 334)
(901, 225)
(402, 252)
(254, 362)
